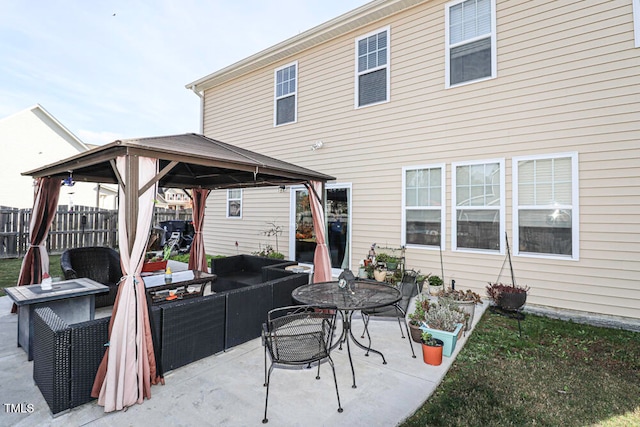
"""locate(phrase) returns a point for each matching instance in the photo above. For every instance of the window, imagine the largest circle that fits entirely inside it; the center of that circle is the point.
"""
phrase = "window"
(478, 199)
(636, 21)
(423, 206)
(545, 206)
(286, 90)
(234, 203)
(470, 34)
(372, 68)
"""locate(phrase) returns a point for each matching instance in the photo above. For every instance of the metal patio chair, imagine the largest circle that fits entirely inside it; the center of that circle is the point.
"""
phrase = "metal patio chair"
(408, 288)
(298, 335)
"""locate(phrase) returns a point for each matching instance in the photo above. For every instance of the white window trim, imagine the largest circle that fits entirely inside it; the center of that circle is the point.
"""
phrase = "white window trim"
(636, 22)
(454, 208)
(387, 66)
(575, 210)
(443, 206)
(241, 203)
(447, 47)
(276, 98)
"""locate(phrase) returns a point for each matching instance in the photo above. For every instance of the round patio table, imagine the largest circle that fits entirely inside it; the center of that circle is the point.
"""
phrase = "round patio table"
(360, 295)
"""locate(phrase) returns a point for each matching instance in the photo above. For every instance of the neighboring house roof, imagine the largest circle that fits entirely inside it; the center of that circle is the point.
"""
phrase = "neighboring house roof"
(61, 130)
(366, 14)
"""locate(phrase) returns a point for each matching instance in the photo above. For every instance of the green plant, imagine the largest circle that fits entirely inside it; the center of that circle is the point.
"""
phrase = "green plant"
(444, 316)
(456, 295)
(268, 252)
(434, 280)
(419, 313)
(428, 339)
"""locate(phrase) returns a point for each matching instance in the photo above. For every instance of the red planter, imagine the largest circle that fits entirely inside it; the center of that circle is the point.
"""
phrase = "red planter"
(432, 355)
(154, 266)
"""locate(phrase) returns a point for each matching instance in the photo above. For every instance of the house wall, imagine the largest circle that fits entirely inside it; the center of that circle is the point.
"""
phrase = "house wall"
(33, 138)
(567, 81)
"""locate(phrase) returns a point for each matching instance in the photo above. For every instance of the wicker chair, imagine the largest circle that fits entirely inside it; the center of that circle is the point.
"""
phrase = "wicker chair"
(298, 336)
(66, 358)
(98, 263)
(408, 288)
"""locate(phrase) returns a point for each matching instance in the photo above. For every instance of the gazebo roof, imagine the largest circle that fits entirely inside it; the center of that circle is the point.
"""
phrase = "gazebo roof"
(185, 161)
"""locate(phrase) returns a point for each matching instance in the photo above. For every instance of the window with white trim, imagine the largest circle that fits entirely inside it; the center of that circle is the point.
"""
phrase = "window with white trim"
(478, 205)
(636, 21)
(423, 212)
(286, 94)
(470, 40)
(545, 201)
(234, 203)
(372, 68)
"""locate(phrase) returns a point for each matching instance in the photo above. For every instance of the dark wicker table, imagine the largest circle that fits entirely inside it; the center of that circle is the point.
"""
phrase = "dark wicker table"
(361, 295)
(72, 300)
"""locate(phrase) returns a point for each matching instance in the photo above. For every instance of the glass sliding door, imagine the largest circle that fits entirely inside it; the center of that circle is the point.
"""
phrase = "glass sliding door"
(302, 244)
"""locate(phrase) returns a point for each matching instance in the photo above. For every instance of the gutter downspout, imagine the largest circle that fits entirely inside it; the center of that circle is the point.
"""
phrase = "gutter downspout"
(201, 96)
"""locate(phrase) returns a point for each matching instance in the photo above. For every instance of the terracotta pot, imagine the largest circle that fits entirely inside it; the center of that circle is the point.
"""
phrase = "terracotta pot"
(432, 355)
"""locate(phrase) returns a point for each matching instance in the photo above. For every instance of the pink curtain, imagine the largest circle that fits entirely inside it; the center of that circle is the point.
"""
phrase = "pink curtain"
(197, 258)
(129, 368)
(321, 260)
(36, 261)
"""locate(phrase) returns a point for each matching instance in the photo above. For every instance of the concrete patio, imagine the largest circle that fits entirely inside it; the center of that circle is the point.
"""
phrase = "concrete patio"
(226, 389)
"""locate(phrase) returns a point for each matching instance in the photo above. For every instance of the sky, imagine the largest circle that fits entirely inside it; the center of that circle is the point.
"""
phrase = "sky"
(110, 69)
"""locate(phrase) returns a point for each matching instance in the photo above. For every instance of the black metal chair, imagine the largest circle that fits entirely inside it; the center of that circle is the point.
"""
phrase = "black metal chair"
(408, 288)
(98, 263)
(298, 335)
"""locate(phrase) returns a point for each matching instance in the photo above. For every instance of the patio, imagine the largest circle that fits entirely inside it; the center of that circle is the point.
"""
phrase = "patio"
(226, 389)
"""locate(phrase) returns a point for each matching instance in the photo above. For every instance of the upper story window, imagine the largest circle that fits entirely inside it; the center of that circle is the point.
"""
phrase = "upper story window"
(545, 205)
(372, 68)
(234, 203)
(478, 199)
(423, 212)
(470, 32)
(286, 94)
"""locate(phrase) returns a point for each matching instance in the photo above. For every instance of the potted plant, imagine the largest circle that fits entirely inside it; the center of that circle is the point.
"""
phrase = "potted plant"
(389, 261)
(444, 321)
(435, 284)
(466, 301)
(507, 297)
(417, 318)
(431, 349)
(155, 262)
(380, 272)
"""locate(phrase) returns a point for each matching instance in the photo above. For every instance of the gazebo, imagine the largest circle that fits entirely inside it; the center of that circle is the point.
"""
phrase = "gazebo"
(138, 167)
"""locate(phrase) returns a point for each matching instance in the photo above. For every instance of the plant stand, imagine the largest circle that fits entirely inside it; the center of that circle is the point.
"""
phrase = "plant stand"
(511, 314)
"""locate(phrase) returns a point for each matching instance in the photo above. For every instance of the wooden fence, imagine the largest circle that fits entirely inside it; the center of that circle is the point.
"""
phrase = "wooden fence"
(76, 227)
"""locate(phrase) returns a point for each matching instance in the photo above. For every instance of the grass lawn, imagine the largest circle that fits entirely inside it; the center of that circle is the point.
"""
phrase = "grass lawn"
(558, 374)
(10, 270)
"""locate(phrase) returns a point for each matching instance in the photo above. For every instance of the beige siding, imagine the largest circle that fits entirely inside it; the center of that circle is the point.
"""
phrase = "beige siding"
(567, 81)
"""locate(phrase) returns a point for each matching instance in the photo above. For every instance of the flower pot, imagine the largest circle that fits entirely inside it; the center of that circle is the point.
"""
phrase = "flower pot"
(432, 354)
(468, 307)
(380, 275)
(512, 300)
(448, 338)
(433, 290)
(416, 332)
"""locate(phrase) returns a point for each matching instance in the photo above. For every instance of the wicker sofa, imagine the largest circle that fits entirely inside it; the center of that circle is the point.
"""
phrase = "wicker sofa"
(98, 263)
(66, 358)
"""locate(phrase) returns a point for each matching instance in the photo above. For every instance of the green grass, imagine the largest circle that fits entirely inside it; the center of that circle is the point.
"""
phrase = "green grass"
(558, 374)
(10, 270)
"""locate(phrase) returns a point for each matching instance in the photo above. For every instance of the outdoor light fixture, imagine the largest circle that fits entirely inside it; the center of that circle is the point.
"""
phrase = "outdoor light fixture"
(69, 181)
(317, 145)
(281, 188)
